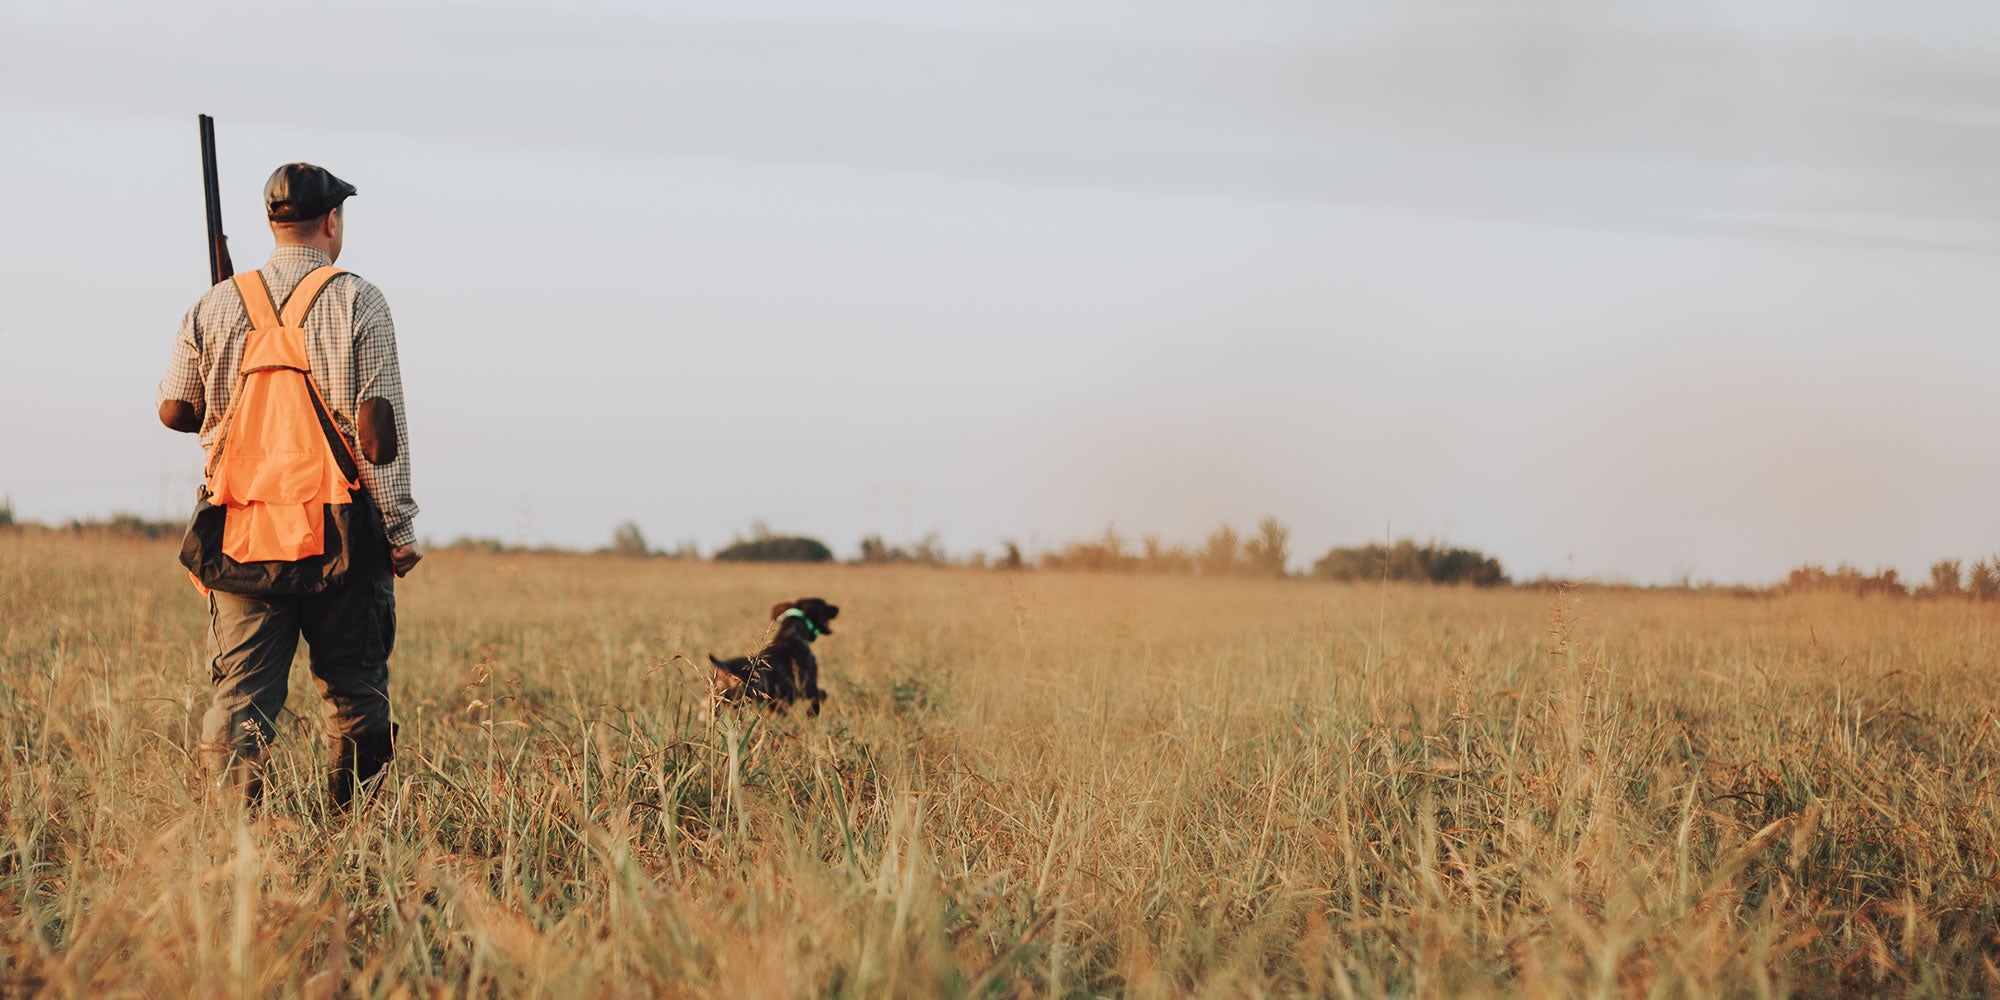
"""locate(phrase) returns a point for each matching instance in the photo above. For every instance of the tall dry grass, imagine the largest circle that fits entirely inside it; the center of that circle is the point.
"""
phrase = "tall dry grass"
(1023, 785)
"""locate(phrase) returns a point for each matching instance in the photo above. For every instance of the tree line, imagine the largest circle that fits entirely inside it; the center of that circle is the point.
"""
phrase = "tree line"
(1949, 578)
(1265, 552)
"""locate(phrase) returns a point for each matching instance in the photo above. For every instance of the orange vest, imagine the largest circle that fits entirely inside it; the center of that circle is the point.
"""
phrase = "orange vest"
(273, 466)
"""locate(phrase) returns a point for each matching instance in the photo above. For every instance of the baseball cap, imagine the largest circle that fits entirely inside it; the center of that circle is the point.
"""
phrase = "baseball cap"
(300, 191)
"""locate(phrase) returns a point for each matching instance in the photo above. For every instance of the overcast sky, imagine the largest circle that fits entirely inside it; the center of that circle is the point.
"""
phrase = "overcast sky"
(1636, 290)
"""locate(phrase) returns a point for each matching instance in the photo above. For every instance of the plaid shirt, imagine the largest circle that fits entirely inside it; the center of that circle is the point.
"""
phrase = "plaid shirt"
(351, 344)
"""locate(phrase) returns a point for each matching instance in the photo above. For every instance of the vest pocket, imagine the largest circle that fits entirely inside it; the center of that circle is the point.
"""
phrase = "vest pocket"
(268, 532)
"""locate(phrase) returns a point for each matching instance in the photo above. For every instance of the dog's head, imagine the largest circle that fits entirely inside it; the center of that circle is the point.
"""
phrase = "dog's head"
(816, 611)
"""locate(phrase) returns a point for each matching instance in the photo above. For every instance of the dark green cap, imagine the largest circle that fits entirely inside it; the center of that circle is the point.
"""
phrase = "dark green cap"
(300, 191)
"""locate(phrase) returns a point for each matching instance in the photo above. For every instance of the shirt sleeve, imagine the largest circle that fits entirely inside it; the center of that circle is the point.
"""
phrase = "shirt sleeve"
(183, 381)
(378, 373)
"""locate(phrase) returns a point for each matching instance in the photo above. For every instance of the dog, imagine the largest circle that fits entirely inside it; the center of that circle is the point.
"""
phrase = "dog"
(784, 671)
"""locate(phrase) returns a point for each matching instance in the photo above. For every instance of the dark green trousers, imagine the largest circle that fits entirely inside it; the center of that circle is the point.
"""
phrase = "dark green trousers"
(349, 633)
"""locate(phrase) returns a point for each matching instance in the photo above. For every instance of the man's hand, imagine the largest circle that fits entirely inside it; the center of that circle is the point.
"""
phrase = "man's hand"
(404, 558)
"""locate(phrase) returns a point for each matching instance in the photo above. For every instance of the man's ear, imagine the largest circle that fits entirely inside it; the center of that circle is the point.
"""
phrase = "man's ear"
(780, 608)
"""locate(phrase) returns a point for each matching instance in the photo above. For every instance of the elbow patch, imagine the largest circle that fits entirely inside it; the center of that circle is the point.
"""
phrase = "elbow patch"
(376, 427)
(180, 415)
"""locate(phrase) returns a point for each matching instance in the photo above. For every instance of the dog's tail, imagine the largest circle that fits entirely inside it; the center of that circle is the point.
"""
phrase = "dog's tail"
(732, 667)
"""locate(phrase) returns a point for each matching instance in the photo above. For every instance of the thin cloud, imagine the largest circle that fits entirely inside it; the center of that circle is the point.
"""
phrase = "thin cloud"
(1545, 115)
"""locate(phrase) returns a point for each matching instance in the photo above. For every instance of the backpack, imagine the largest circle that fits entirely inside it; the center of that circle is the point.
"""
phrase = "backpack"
(282, 511)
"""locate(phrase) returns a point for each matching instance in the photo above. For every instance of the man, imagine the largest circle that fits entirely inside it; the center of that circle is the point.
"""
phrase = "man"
(350, 629)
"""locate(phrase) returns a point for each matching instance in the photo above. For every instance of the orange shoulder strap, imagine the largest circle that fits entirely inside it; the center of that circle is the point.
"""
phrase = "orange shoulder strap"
(256, 300)
(302, 297)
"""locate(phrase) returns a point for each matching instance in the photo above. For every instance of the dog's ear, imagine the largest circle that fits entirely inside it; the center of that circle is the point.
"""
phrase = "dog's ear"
(780, 608)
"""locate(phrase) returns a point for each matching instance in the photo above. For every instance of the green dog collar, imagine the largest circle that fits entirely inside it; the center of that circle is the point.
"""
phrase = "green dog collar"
(800, 615)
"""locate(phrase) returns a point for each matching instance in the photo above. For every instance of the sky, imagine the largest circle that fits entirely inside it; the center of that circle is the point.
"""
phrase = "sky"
(1640, 291)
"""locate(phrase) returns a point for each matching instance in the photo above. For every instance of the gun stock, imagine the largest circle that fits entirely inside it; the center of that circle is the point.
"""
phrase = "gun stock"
(220, 268)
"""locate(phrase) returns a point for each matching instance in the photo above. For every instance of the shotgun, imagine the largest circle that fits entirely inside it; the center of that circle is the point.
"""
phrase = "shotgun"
(219, 266)
(178, 414)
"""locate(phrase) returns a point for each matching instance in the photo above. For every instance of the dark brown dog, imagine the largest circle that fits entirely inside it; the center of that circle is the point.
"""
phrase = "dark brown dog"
(784, 671)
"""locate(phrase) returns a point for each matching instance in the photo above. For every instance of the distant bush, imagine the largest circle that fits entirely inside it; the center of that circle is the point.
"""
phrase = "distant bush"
(128, 526)
(1406, 561)
(927, 552)
(1222, 554)
(1266, 554)
(1950, 578)
(489, 545)
(1156, 556)
(1105, 555)
(1112, 553)
(7, 514)
(628, 540)
(1947, 577)
(469, 543)
(1225, 553)
(776, 548)
(1844, 579)
(1985, 582)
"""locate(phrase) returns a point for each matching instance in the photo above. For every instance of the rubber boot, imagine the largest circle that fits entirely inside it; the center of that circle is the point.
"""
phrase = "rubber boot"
(354, 760)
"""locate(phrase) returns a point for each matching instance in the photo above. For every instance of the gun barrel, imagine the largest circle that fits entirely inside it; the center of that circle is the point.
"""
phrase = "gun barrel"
(220, 268)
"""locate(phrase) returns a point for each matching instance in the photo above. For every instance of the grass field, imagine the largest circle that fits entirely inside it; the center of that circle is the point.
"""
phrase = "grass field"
(1028, 784)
